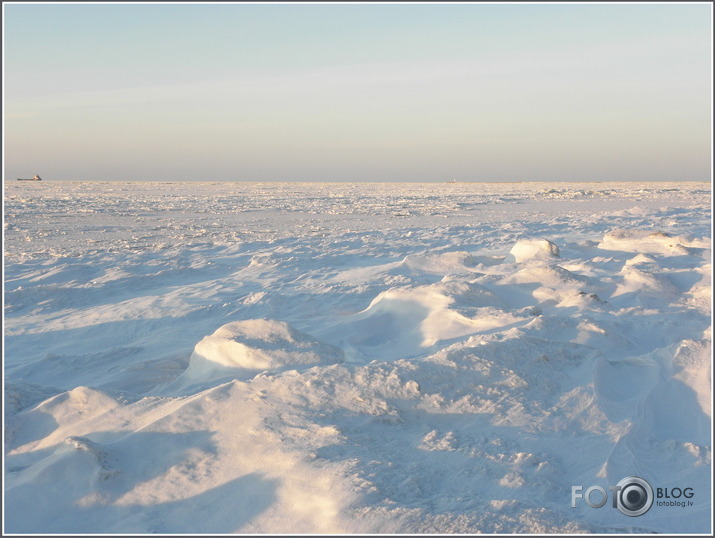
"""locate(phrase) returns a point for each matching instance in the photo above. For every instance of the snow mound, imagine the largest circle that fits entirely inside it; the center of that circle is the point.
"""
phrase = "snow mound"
(79, 405)
(641, 259)
(638, 281)
(402, 322)
(528, 249)
(255, 345)
(546, 275)
(644, 242)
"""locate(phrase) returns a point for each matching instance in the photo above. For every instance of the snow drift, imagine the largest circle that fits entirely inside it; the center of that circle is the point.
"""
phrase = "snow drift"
(244, 348)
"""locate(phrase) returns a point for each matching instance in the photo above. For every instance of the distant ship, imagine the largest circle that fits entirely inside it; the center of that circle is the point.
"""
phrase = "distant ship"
(36, 178)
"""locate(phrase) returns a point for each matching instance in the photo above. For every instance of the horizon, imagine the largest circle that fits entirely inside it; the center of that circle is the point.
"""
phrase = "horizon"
(335, 182)
(354, 93)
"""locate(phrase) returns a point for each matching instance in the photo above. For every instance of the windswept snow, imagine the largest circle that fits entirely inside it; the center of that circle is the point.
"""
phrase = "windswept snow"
(315, 358)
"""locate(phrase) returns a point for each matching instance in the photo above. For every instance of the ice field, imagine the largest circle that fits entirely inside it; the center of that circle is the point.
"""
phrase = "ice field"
(354, 358)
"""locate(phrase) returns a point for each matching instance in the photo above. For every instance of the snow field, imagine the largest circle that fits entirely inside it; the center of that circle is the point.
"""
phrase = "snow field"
(453, 363)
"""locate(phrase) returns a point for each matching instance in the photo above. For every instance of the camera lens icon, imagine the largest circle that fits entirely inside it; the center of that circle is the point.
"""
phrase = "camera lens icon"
(635, 496)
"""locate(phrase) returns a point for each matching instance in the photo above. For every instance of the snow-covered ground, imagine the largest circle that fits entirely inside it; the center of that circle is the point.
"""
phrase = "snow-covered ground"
(310, 358)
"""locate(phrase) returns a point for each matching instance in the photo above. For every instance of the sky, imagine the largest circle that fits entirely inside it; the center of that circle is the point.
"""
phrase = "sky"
(358, 92)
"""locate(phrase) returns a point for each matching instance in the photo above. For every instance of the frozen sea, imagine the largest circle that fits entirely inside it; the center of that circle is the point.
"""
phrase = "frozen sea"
(355, 358)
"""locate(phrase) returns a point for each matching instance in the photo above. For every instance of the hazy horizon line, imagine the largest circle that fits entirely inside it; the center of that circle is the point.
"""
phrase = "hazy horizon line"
(458, 181)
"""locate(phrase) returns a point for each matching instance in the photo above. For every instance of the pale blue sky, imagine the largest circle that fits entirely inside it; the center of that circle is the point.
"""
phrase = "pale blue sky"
(358, 92)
